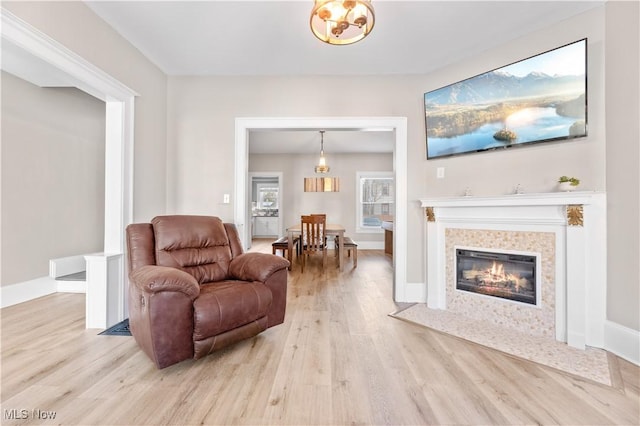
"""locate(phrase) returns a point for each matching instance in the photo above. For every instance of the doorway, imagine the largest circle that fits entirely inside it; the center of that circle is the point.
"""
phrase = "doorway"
(26, 50)
(398, 125)
(265, 195)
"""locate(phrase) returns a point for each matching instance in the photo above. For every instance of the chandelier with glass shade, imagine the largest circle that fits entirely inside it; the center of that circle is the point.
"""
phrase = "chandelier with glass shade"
(342, 22)
(325, 183)
(322, 163)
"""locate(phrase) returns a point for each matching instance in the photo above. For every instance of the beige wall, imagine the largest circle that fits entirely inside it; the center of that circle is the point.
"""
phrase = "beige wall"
(623, 160)
(339, 206)
(75, 26)
(202, 111)
(536, 168)
(52, 177)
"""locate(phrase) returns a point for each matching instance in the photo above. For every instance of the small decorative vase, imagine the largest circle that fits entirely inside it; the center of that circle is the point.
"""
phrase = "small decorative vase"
(566, 186)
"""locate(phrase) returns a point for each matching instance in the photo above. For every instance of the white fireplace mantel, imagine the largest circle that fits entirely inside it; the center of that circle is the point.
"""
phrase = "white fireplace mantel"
(540, 199)
(578, 220)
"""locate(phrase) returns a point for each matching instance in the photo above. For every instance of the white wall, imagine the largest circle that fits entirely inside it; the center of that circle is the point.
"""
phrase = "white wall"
(52, 177)
(339, 206)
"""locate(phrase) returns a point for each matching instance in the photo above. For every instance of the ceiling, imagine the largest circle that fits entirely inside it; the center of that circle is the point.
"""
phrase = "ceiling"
(308, 141)
(273, 38)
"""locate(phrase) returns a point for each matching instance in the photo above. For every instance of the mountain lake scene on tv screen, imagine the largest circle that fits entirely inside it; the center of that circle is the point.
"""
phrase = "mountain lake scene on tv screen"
(538, 99)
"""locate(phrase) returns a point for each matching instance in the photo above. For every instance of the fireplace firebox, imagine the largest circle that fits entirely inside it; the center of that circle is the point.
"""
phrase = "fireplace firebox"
(504, 275)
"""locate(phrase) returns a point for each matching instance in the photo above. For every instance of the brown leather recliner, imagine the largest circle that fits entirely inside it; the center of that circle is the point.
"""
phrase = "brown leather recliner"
(192, 290)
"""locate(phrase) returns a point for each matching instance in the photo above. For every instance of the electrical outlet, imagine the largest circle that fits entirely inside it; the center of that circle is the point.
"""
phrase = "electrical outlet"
(440, 172)
(225, 198)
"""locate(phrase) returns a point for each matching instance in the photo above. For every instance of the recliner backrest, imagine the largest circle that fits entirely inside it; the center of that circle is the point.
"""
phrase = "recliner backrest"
(140, 246)
(198, 245)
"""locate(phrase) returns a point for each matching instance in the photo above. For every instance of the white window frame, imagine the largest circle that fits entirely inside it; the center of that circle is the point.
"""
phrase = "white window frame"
(359, 177)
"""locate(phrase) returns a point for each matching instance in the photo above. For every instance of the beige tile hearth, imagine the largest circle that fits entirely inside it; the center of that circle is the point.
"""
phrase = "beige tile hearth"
(591, 363)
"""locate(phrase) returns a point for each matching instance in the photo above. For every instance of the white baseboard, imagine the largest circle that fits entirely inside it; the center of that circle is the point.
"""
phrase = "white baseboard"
(71, 286)
(622, 341)
(27, 290)
(415, 293)
(370, 245)
(362, 245)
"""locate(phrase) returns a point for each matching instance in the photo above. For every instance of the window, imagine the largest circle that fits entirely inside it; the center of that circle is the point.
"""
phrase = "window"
(375, 200)
(267, 196)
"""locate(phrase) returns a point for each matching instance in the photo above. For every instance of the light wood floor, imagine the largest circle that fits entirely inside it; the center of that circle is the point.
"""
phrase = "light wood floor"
(338, 359)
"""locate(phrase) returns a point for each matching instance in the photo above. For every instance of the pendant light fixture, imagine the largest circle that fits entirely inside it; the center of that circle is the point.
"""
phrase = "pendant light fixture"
(322, 184)
(342, 22)
(322, 163)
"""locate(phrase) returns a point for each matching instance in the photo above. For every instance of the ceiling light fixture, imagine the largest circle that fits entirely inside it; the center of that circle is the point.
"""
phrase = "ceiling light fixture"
(322, 164)
(342, 22)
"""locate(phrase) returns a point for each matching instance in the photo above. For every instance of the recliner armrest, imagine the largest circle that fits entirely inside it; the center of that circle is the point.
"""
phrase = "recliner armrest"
(256, 266)
(155, 279)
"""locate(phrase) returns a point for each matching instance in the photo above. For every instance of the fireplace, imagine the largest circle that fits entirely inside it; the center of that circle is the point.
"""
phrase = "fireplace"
(565, 230)
(504, 275)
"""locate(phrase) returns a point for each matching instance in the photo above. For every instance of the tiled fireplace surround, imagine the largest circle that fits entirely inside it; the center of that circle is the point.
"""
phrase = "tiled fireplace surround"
(567, 230)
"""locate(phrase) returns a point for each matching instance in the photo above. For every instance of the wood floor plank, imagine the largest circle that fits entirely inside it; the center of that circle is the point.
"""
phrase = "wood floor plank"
(338, 359)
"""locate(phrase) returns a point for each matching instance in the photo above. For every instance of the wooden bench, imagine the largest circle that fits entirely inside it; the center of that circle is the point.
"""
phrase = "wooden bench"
(348, 245)
(282, 244)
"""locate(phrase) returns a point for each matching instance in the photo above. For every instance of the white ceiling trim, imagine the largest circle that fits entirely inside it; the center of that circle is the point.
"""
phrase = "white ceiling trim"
(37, 56)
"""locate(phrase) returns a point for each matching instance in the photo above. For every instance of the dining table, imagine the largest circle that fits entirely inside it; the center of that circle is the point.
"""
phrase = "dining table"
(330, 229)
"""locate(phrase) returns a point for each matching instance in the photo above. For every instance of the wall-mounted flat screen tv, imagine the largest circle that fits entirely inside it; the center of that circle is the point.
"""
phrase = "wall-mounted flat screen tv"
(539, 99)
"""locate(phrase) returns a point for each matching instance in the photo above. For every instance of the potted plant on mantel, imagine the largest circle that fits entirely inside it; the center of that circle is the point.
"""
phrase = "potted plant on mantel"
(566, 183)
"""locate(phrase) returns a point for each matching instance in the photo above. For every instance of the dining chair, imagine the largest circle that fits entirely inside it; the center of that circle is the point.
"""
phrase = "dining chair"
(313, 237)
(325, 217)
